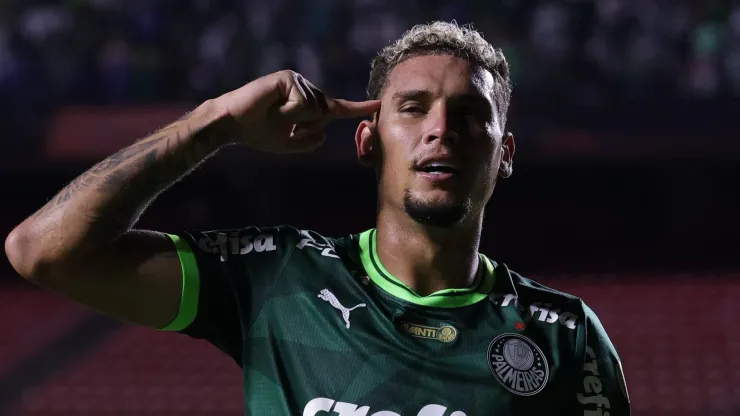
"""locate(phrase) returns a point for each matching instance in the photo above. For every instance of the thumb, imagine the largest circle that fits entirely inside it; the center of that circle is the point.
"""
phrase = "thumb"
(349, 109)
(296, 99)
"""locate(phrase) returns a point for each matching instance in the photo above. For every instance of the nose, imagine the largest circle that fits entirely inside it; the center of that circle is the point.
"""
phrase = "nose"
(440, 128)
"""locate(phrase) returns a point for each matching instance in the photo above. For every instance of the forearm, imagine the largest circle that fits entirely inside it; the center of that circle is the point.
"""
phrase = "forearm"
(106, 200)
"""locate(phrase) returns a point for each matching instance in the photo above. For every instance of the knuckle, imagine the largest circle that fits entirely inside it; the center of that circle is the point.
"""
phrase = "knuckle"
(289, 76)
(288, 73)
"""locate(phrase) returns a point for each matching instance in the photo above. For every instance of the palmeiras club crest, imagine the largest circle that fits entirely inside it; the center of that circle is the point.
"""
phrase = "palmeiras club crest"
(518, 364)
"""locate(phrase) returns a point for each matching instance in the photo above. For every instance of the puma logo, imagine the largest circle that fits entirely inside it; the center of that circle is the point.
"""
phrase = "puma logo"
(326, 295)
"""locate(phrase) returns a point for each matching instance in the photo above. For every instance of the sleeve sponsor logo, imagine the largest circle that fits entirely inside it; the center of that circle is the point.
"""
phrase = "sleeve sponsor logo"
(518, 364)
(236, 243)
(543, 312)
(323, 245)
(323, 405)
(594, 403)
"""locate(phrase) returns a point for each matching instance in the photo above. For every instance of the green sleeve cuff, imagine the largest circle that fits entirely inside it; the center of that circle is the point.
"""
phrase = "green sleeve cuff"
(190, 286)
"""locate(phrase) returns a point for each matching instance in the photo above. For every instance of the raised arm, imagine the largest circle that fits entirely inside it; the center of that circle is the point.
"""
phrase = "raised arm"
(81, 243)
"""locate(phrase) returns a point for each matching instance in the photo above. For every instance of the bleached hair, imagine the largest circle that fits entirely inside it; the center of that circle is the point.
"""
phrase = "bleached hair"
(439, 38)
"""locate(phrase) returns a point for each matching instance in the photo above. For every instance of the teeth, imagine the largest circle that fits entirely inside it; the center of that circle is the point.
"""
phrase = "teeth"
(437, 168)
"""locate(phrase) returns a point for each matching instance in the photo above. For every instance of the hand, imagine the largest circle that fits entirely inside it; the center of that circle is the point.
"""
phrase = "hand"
(284, 113)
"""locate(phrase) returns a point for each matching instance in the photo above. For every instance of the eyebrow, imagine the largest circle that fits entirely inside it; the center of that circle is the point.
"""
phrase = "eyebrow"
(411, 95)
(476, 99)
(424, 95)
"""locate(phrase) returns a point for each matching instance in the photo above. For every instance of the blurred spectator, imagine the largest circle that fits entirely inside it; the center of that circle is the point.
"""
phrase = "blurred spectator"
(573, 52)
(139, 42)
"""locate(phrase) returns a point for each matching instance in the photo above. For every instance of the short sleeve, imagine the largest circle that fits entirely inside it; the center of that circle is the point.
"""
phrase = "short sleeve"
(601, 385)
(226, 277)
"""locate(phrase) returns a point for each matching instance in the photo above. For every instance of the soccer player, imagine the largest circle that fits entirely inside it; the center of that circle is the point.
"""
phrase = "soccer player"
(407, 318)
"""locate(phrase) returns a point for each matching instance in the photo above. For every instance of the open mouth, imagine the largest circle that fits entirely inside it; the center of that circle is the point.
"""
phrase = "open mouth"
(437, 168)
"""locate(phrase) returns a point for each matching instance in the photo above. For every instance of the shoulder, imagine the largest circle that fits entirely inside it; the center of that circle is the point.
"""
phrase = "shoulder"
(534, 288)
(293, 241)
(530, 289)
(570, 309)
(543, 303)
(234, 243)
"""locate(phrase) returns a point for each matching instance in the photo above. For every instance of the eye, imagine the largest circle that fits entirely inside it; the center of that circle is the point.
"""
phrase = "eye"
(476, 112)
(412, 109)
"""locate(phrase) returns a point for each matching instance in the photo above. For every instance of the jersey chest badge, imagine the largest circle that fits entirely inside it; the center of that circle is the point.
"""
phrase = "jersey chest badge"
(445, 333)
(518, 364)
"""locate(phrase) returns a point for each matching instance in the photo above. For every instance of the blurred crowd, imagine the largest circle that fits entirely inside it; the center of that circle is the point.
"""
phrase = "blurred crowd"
(591, 53)
(125, 51)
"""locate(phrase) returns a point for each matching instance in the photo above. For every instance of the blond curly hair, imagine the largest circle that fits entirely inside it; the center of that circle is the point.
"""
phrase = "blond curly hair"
(443, 38)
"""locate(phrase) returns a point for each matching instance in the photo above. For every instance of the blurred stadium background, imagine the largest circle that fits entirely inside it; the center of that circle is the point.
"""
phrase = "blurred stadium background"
(626, 114)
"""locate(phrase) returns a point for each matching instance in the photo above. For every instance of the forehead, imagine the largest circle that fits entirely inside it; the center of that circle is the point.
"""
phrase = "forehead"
(442, 75)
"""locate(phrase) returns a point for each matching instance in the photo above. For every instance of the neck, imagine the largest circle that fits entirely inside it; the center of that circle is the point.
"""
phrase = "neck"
(428, 259)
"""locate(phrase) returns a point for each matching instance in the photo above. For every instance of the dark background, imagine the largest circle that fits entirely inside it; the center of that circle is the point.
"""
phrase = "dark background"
(624, 189)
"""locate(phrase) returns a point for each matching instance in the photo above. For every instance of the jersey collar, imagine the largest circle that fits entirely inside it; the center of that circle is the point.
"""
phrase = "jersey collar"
(446, 298)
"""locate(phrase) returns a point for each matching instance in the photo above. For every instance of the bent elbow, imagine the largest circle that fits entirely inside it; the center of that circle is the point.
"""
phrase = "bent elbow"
(19, 248)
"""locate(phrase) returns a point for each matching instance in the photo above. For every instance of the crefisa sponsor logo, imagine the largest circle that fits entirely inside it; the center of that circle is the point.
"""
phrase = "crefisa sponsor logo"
(536, 311)
(327, 406)
(518, 364)
(235, 243)
(594, 403)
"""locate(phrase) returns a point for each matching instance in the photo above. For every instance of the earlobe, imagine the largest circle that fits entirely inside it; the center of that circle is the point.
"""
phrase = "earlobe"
(505, 170)
(365, 143)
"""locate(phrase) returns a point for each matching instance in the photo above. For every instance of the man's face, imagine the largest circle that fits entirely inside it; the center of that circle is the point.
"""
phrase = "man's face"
(440, 138)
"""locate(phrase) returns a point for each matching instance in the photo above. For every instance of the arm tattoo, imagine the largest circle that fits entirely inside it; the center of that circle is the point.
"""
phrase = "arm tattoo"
(118, 188)
(105, 170)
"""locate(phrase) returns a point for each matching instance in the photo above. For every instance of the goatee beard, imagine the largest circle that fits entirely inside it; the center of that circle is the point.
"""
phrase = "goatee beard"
(436, 214)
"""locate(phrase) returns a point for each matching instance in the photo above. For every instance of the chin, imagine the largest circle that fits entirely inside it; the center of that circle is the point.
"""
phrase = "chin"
(440, 209)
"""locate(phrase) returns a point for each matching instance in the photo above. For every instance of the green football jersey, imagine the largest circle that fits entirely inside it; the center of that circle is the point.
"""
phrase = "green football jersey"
(320, 327)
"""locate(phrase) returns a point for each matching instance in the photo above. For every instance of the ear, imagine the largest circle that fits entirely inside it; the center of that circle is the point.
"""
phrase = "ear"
(365, 141)
(506, 168)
